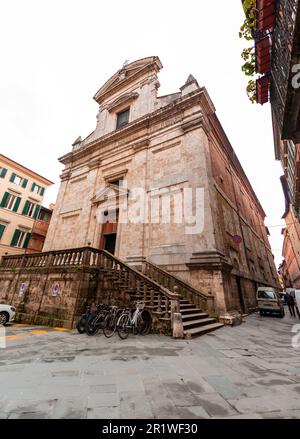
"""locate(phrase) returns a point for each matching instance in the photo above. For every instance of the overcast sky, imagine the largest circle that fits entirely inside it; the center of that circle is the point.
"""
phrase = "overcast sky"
(56, 54)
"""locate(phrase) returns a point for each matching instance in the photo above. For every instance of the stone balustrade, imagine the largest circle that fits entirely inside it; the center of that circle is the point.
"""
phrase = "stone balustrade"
(171, 281)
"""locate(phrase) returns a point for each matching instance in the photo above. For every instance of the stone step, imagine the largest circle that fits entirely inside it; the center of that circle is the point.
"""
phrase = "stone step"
(187, 305)
(201, 330)
(196, 316)
(188, 324)
(189, 310)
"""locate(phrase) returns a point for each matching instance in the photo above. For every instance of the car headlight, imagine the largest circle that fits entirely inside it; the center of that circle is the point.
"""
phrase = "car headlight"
(13, 309)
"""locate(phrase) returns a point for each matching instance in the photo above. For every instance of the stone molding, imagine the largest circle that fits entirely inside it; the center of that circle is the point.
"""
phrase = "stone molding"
(209, 260)
(121, 101)
(139, 146)
(94, 164)
(66, 175)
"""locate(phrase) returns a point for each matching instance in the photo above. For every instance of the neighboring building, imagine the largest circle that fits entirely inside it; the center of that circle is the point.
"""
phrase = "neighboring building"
(277, 53)
(39, 230)
(290, 268)
(21, 195)
(164, 145)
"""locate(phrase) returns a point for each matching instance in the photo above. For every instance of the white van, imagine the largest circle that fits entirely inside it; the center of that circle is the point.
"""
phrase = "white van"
(269, 302)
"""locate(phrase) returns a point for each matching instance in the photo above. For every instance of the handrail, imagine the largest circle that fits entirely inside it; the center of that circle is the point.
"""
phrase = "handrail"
(171, 295)
(170, 280)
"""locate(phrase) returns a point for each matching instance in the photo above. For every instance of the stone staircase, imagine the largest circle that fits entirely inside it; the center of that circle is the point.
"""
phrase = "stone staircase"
(167, 297)
(195, 307)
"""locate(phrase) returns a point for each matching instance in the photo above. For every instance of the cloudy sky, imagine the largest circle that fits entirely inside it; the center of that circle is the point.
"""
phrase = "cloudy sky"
(56, 54)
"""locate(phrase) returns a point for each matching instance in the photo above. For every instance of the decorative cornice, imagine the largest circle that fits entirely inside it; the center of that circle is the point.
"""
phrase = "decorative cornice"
(209, 260)
(115, 175)
(106, 193)
(192, 124)
(139, 146)
(121, 101)
(66, 175)
(94, 164)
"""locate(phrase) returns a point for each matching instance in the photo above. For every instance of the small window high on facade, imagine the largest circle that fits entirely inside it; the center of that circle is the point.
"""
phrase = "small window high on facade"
(122, 118)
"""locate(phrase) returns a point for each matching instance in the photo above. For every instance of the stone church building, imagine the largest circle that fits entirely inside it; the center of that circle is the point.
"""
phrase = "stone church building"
(151, 152)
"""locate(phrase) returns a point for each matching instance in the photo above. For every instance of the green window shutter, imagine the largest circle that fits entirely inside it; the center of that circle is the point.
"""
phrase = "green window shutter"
(24, 183)
(26, 242)
(26, 207)
(4, 199)
(17, 204)
(2, 228)
(42, 191)
(32, 187)
(15, 238)
(36, 211)
(12, 177)
(3, 172)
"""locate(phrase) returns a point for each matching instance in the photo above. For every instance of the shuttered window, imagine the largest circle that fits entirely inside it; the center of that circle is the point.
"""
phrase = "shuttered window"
(3, 172)
(17, 179)
(10, 202)
(2, 230)
(31, 209)
(20, 239)
(37, 189)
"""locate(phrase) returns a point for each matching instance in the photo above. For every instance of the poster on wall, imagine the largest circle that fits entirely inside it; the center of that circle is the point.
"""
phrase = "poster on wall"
(22, 289)
(56, 289)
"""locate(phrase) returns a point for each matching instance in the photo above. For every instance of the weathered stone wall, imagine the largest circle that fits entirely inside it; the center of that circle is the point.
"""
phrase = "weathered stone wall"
(38, 304)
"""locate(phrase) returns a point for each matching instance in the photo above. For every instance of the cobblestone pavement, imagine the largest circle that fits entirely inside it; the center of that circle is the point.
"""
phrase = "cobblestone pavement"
(249, 371)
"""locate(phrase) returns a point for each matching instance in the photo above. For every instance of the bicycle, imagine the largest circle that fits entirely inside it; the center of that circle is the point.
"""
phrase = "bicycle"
(111, 320)
(138, 321)
(95, 320)
(81, 323)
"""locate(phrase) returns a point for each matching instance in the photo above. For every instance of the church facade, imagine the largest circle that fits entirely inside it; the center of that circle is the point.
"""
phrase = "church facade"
(158, 180)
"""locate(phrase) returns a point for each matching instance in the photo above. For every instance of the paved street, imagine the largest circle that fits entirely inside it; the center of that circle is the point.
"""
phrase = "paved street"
(250, 371)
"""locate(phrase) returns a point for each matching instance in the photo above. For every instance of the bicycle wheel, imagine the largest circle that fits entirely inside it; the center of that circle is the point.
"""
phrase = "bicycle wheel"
(80, 325)
(144, 322)
(109, 325)
(91, 327)
(123, 326)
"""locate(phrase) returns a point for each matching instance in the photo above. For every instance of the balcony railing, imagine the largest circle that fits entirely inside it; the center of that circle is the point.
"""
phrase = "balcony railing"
(40, 227)
(282, 42)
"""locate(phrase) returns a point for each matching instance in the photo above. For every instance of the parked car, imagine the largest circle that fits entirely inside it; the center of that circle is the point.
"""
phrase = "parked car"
(7, 314)
(269, 301)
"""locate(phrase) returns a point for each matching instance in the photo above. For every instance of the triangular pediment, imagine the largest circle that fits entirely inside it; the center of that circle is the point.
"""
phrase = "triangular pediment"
(125, 75)
(110, 191)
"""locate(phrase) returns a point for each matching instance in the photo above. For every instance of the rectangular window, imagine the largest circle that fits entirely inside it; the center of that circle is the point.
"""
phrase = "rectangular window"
(39, 190)
(122, 118)
(10, 202)
(118, 182)
(28, 209)
(21, 239)
(17, 179)
(31, 209)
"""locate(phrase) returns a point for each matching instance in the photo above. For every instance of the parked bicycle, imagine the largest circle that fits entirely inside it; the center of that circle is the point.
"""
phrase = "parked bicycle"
(95, 321)
(81, 323)
(137, 321)
(111, 320)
